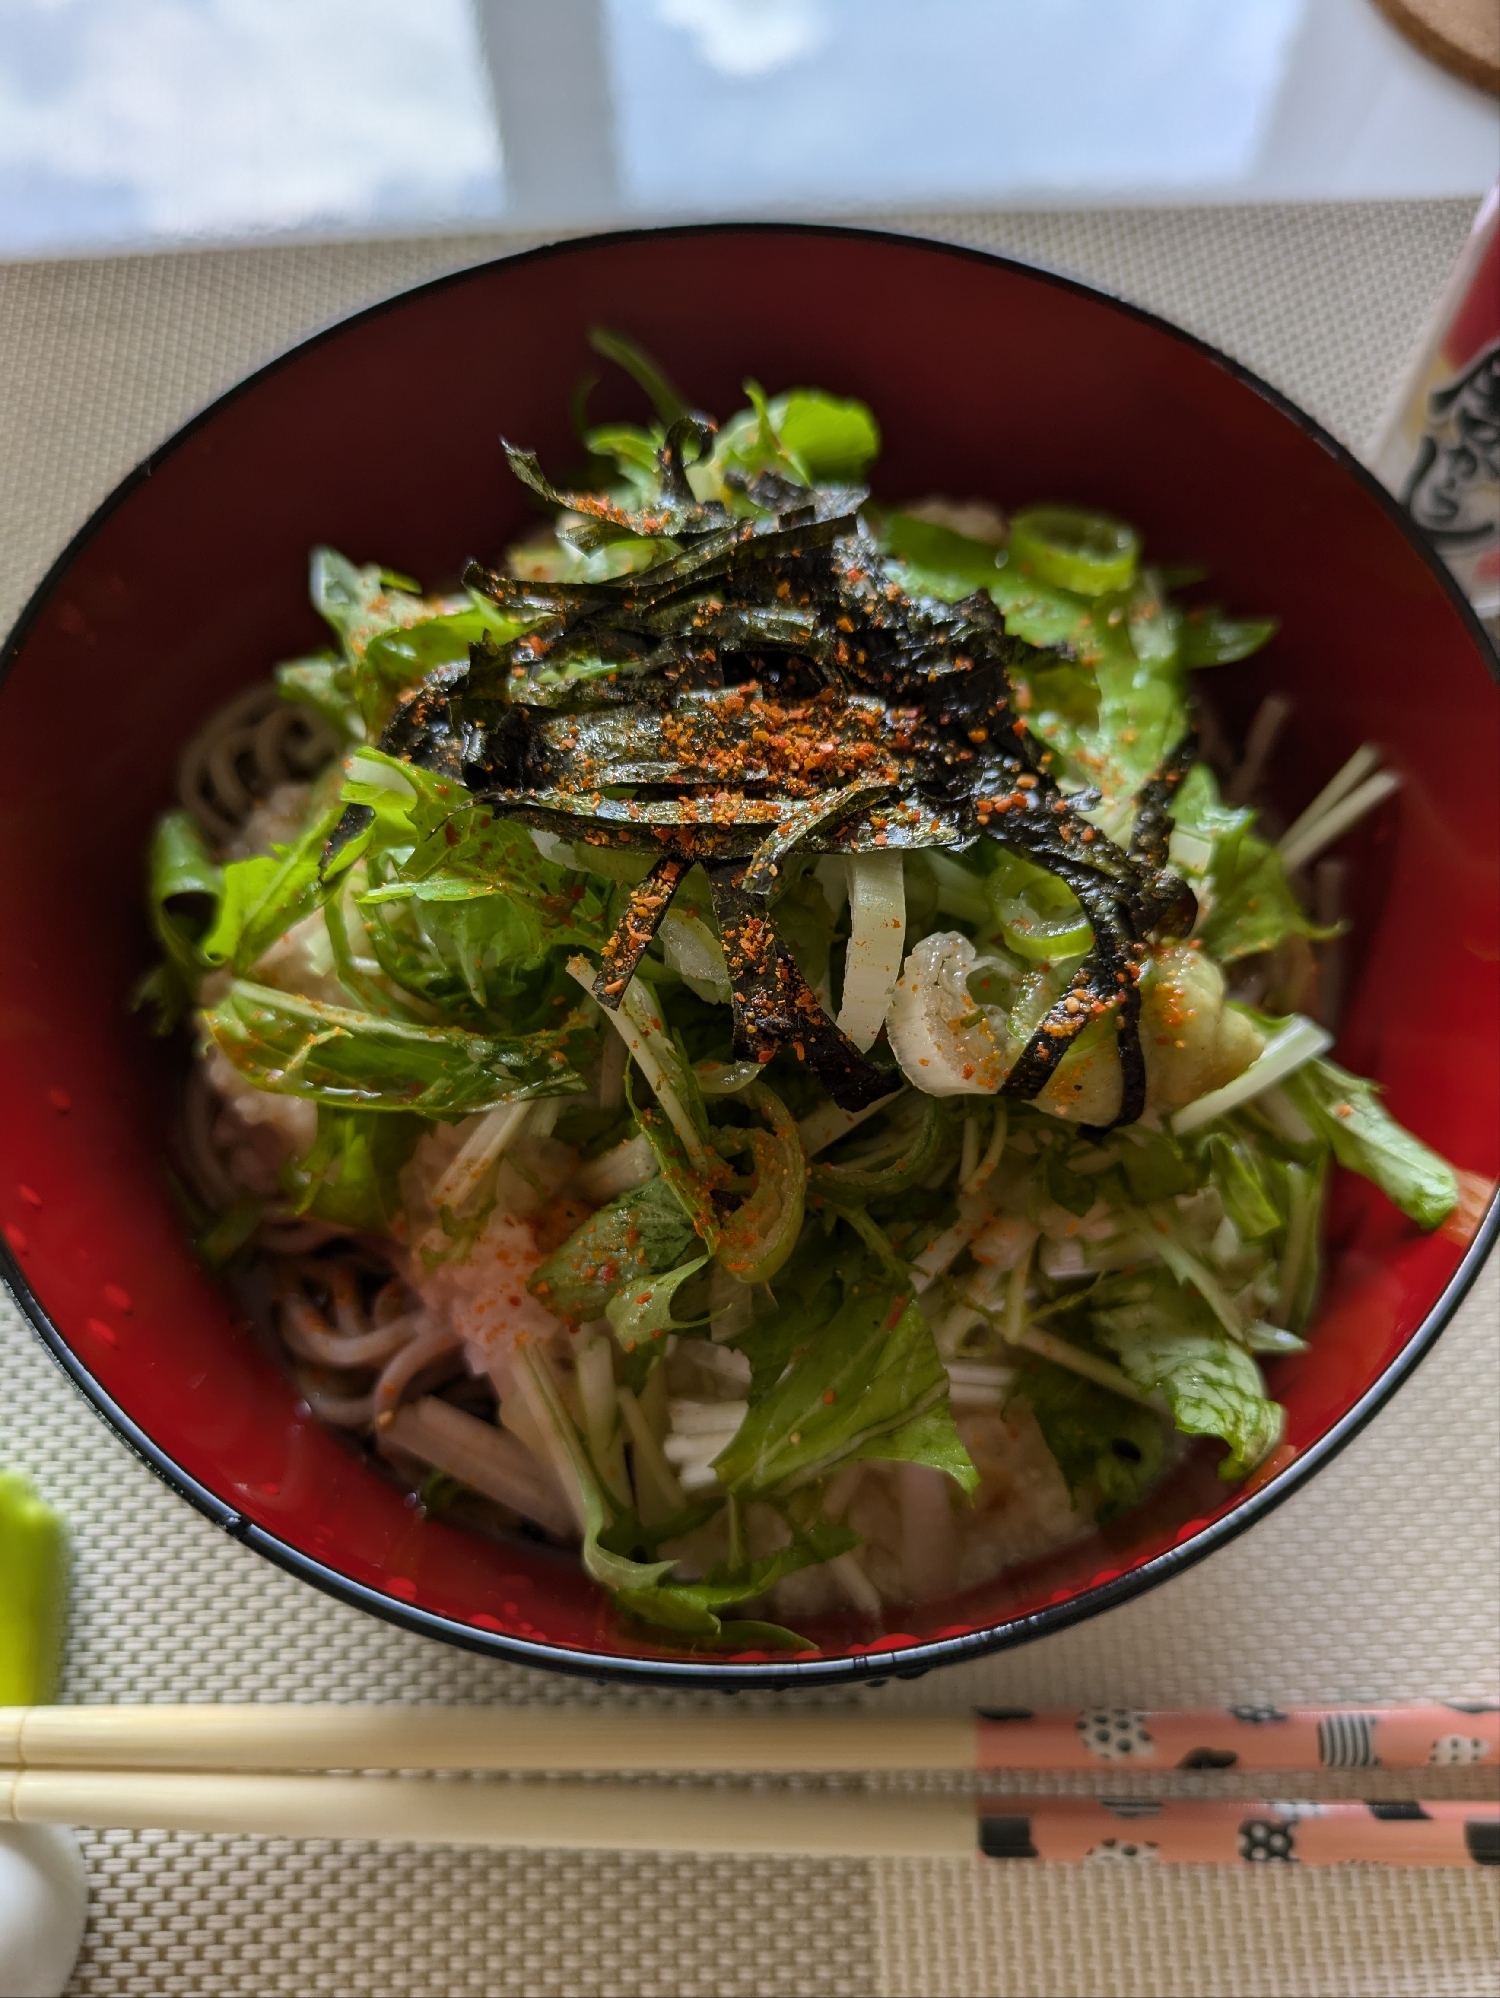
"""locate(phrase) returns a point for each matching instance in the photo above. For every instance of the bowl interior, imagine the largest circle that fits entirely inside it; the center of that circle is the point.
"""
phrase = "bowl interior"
(382, 438)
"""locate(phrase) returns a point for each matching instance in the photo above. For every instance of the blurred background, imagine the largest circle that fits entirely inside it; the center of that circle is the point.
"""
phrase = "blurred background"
(150, 124)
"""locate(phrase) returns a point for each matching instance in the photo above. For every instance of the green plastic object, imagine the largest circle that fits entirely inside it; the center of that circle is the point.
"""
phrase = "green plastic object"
(33, 1594)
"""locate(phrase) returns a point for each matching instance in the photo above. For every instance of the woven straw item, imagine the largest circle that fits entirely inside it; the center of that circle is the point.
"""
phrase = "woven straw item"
(1350, 1592)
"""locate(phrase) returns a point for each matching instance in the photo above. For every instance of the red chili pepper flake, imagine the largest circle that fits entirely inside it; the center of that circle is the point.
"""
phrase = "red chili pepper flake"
(102, 1331)
(17, 1240)
(893, 1319)
(829, 1397)
(60, 1100)
(116, 1294)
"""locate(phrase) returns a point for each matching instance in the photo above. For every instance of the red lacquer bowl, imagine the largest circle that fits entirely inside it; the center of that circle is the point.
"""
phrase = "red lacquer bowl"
(382, 438)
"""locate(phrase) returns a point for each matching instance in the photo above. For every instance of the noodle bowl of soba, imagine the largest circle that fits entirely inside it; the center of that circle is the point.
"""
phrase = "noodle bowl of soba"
(375, 1320)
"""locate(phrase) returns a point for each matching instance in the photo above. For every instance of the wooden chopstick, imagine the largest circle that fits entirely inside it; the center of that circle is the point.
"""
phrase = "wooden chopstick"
(826, 1741)
(641, 1818)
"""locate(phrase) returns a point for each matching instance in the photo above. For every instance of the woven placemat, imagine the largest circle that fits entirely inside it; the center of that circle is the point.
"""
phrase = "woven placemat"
(1380, 1581)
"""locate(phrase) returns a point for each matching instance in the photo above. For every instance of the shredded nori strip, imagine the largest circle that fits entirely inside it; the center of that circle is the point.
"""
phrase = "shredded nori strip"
(768, 686)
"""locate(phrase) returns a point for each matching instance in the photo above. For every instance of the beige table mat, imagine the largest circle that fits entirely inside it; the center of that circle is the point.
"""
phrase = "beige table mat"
(1380, 1581)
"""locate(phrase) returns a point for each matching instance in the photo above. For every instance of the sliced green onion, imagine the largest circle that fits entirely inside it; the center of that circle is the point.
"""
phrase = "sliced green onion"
(1297, 1041)
(855, 1184)
(1075, 550)
(1032, 936)
(727, 1078)
(762, 1232)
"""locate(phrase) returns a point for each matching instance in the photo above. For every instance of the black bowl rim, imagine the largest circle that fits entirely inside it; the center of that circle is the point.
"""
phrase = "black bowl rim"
(866, 1667)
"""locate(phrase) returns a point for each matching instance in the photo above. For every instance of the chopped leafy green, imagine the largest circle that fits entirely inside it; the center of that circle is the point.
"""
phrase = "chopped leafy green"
(1247, 902)
(804, 435)
(1108, 1449)
(1206, 832)
(1238, 1172)
(1037, 612)
(937, 561)
(444, 847)
(855, 1392)
(808, 1293)
(835, 437)
(350, 1175)
(1209, 638)
(355, 1060)
(1347, 1111)
(265, 896)
(692, 1607)
(1157, 1168)
(643, 1309)
(641, 1233)
(1115, 716)
(398, 658)
(1253, 907)
(1168, 1343)
(323, 682)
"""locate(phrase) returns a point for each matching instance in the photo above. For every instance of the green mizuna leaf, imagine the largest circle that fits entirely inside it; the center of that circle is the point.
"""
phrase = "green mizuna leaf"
(1253, 907)
(1212, 1386)
(350, 1176)
(1244, 1186)
(438, 846)
(693, 1607)
(324, 682)
(1117, 713)
(390, 635)
(638, 1235)
(808, 1293)
(354, 1060)
(643, 1310)
(264, 896)
(1347, 1111)
(1209, 638)
(834, 437)
(856, 1391)
(936, 561)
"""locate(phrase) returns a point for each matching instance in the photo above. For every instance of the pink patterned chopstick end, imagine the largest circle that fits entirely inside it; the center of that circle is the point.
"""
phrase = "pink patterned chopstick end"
(1246, 1737)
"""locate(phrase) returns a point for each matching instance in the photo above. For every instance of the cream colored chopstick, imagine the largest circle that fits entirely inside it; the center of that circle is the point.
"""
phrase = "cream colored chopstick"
(808, 1823)
(426, 1811)
(813, 1742)
(518, 1739)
